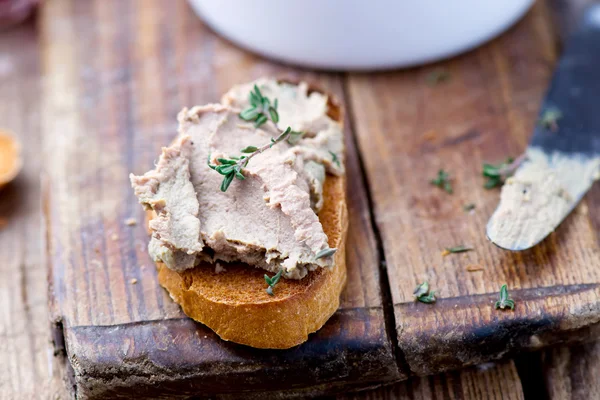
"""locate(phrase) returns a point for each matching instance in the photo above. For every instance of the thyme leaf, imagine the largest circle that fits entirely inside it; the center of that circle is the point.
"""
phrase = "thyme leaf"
(423, 294)
(505, 300)
(458, 249)
(469, 207)
(334, 158)
(428, 299)
(272, 281)
(421, 289)
(442, 181)
(325, 253)
(497, 174)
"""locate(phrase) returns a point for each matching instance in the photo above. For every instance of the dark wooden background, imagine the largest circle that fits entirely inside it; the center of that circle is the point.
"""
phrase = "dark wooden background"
(103, 53)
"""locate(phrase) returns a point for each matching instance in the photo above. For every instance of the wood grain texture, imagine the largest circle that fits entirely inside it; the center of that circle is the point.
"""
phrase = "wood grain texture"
(27, 369)
(487, 381)
(407, 130)
(109, 103)
(572, 373)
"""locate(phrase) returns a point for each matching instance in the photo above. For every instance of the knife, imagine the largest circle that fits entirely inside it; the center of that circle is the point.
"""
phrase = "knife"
(563, 158)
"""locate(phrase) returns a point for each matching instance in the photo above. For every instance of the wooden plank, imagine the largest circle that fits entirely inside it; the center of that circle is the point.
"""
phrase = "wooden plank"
(407, 130)
(27, 369)
(116, 75)
(572, 373)
(487, 381)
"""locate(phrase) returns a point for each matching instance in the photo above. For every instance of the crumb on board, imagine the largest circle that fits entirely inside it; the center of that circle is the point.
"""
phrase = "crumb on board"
(474, 267)
(131, 222)
(133, 281)
(114, 237)
(445, 252)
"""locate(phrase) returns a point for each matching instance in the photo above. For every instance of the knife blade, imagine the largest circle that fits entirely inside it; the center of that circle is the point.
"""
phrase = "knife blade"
(563, 158)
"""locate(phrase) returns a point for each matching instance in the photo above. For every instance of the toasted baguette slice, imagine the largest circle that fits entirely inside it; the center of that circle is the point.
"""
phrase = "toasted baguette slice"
(235, 304)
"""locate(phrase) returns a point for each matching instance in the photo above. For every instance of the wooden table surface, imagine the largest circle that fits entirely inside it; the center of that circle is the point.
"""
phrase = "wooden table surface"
(34, 73)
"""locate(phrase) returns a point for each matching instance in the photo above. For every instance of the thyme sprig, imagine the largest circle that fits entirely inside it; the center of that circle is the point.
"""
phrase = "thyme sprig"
(505, 300)
(423, 294)
(272, 281)
(497, 174)
(231, 168)
(260, 109)
(442, 181)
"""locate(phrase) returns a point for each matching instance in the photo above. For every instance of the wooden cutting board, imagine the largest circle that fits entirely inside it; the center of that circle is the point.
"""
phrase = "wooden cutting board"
(114, 76)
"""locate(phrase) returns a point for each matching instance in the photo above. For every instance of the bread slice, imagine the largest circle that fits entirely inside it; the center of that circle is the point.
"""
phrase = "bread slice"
(235, 304)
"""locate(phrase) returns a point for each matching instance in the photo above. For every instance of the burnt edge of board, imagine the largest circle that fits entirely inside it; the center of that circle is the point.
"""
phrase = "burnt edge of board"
(180, 357)
(538, 321)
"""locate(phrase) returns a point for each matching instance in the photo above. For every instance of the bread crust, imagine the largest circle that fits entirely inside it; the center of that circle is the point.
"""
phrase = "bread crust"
(234, 303)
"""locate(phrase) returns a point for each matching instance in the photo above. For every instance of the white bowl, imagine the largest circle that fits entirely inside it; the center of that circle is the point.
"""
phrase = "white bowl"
(359, 34)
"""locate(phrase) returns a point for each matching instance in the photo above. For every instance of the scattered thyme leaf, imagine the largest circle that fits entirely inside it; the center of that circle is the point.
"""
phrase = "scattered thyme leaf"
(496, 174)
(335, 158)
(549, 118)
(442, 181)
(423, 294)
(271, 282)
(427, 299)
(437, 76)
(458, 249)
(421, 289)
(505, 300)
(325, 253)
(469, 207)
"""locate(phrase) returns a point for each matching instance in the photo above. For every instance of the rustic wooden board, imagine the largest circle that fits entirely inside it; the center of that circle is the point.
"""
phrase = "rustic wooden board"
(572, 373)
(110, 100)
(407, 130)
(27, 369)
(487, 381)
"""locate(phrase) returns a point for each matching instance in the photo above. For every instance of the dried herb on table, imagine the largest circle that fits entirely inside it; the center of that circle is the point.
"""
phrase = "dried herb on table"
(505, 300)
(272, 281)
(457, 249)
(469, 207)
(423, 294)
(549, 118)
(438, 75)
(497, 174)
(442, 181)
